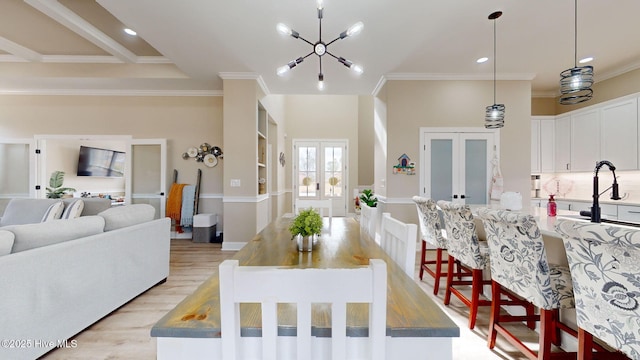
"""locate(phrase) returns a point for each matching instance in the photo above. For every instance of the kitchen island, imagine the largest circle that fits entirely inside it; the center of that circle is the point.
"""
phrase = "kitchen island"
(416, 326)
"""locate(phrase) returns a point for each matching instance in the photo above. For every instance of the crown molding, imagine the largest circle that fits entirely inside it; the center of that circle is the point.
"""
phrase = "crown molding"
(238, 76)
(454, 76)
(110, 92)
(379, 86)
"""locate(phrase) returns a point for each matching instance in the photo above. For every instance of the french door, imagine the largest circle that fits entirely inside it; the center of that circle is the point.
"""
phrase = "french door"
(320, 172)
(456, 166)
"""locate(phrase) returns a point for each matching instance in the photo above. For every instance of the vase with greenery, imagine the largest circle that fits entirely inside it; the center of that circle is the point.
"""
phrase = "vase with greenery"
(55, 189)
(305, 227)
(368, 198)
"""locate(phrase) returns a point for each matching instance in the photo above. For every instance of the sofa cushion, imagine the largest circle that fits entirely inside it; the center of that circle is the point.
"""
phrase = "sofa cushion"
(31, 236)
(126, 215)
(6, 242)
(94, 206)
(72, 208)
(31, 211)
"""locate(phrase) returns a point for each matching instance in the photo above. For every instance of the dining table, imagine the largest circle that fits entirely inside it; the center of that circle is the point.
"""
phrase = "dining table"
(417, 328)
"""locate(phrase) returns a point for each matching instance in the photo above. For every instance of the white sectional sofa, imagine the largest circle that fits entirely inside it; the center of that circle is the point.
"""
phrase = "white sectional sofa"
(63, 275)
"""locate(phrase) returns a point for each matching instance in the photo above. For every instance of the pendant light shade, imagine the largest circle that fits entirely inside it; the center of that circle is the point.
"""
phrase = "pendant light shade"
(575, 83)
(494, 115)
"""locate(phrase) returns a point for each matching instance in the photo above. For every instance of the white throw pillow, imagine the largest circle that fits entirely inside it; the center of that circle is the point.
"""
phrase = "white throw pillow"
(73, 209)
(6, 242)
(53, 212)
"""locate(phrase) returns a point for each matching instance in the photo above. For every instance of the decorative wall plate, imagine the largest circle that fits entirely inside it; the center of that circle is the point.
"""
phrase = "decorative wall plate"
(192, 152)
(210, 160)
(282, 161)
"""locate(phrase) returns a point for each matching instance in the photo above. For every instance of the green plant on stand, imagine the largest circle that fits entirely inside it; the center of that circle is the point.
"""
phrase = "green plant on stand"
(55, 189)
(368, 198)
(305, 227)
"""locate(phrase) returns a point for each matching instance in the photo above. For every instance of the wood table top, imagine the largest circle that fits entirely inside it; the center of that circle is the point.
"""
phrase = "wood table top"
(410, 312)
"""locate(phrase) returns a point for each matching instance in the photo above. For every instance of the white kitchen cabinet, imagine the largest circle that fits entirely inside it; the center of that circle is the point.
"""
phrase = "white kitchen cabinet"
(542, 144)
(619, 134)
(629, 213)
(562, 144)
(547, 150)
(585, 140)
(535, 146)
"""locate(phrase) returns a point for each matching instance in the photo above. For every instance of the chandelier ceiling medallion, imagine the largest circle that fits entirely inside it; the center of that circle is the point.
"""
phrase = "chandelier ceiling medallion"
(494, 115)
(575, 83)
(320, 47)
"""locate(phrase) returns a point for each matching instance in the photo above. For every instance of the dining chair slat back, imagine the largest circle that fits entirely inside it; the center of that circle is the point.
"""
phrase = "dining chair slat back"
(368, 217)
(270, 286)
(398, 240)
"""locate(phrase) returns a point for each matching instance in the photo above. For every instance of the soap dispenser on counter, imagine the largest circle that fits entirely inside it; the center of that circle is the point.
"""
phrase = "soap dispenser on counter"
(551, 206)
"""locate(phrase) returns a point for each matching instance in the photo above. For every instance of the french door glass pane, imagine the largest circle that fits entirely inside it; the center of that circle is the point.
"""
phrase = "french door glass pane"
(441, 169)
(333, 171)
(307, 174)
(475, 163)
(14, 170)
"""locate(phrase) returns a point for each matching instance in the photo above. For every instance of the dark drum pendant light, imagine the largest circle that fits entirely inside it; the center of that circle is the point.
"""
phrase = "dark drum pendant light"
(494, 116)
(575, 83)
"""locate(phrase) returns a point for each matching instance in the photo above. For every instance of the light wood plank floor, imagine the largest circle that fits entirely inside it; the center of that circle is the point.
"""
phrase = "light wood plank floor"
(125, 333)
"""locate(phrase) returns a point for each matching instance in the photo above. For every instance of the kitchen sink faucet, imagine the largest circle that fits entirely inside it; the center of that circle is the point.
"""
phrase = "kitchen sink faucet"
(595, 208)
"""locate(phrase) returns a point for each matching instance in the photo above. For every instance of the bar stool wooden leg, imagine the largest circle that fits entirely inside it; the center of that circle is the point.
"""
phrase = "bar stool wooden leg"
(585, 344)
(447, 292)
(546, 330)
(495, 313)
(438, 275)
(423, 256)
(476, 290)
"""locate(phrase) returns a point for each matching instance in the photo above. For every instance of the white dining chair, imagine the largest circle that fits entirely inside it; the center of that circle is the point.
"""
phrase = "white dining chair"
(325, 206)
(271, 286)
(399, 242)
(368, 217)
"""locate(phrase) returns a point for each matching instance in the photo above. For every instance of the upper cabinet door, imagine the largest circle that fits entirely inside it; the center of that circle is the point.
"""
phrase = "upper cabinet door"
(619, 134)
(535, 146)
(585, 140)
(547, 141)
(562, 144)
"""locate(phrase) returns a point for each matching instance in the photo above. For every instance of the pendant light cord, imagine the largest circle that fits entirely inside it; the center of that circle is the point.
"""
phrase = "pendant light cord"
(495, 59)
(575, 34)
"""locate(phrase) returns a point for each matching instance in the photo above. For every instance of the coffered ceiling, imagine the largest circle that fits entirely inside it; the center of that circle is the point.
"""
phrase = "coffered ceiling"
(188, 46)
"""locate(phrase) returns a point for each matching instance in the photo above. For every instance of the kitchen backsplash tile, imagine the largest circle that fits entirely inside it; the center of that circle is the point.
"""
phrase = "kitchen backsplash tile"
(579, 186)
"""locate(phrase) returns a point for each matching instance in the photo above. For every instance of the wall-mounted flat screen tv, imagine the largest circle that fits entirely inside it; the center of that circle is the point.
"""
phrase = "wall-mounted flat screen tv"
(100, 162)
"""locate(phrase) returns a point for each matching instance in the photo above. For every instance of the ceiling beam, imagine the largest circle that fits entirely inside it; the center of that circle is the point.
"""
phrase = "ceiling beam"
(75, 23)
(19, 50)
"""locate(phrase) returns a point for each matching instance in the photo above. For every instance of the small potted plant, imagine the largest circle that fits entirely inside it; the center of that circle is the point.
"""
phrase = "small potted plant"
(305, 227)
(55, 189)
(368, 198)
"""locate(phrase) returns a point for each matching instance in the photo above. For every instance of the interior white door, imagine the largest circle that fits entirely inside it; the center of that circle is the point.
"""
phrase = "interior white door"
(457, 166)
(320, 172)
(146, 181)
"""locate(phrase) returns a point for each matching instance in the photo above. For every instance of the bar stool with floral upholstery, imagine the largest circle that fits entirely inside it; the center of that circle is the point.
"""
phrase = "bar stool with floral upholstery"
(605, 269)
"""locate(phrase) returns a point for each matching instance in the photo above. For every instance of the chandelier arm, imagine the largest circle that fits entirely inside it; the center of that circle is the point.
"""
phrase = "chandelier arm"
(320, 62)
(334, 40)
(309, 54)
(305, 40)
(335, 57)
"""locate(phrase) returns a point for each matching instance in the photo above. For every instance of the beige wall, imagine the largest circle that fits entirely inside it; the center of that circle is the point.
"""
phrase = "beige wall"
(541, 106)
(324, 117)
(411, 105)
(366, 139)
(183, 121)
(615, 87)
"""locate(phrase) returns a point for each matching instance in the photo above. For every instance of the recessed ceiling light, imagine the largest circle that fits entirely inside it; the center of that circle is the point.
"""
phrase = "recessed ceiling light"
(586, 60)
(482, 59)
(130, 32)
